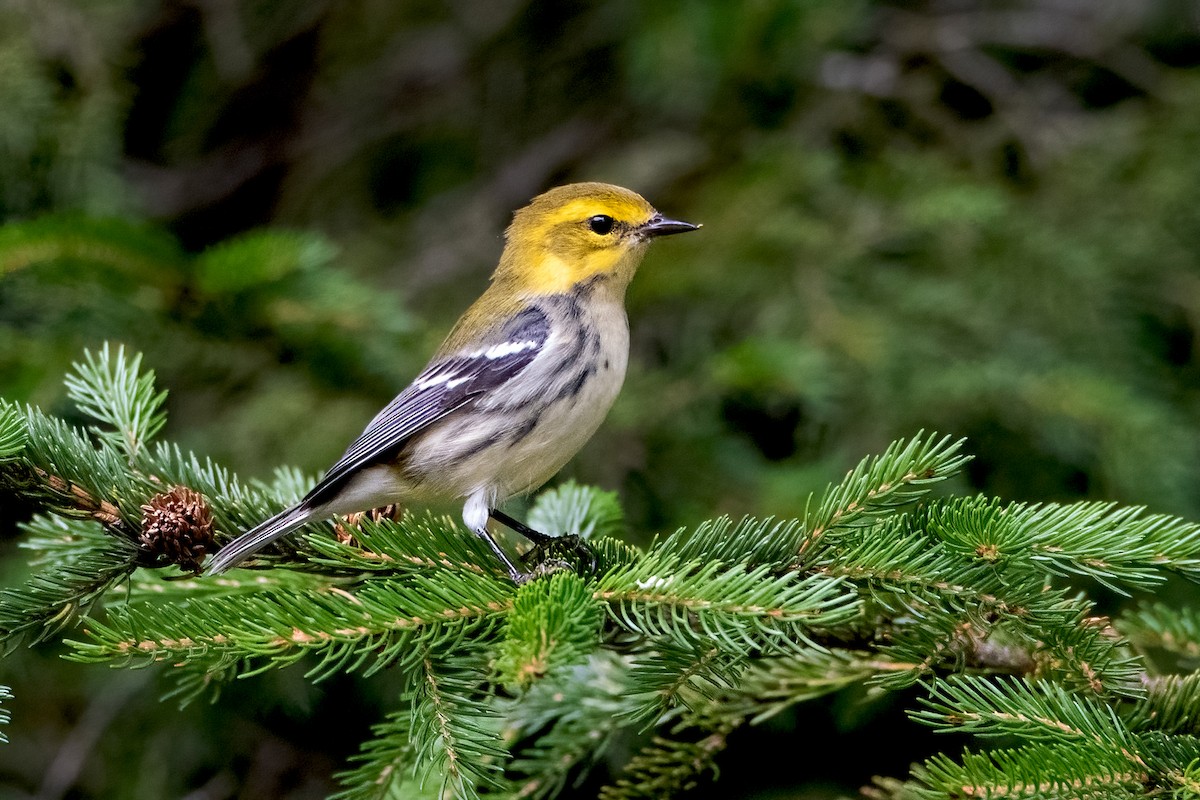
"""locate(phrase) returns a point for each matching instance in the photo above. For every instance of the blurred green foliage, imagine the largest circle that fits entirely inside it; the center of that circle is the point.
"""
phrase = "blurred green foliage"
(978, 217)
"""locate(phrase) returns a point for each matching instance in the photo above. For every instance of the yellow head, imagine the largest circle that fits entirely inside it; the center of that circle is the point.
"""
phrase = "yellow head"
(580, 232)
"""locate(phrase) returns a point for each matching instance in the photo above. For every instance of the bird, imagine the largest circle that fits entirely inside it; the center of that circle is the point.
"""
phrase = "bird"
(521, 383)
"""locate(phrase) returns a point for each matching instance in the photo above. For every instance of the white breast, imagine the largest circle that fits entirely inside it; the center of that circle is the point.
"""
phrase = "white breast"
(514, 440)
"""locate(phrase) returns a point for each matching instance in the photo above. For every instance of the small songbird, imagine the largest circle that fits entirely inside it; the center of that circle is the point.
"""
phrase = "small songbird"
(518, 387)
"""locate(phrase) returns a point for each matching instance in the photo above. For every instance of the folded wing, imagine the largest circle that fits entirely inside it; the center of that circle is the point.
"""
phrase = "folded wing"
(445, 386)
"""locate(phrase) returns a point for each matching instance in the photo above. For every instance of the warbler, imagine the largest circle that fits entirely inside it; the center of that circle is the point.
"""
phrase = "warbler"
(522, 382)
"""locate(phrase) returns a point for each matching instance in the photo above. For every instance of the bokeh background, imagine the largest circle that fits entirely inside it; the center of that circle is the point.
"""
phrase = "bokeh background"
(976, 217)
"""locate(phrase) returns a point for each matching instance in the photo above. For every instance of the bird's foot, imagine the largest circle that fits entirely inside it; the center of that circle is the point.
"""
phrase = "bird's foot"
(543, 568)
(571, 550)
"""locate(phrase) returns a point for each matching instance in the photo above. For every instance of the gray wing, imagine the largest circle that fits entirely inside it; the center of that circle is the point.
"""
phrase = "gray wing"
(443, 387)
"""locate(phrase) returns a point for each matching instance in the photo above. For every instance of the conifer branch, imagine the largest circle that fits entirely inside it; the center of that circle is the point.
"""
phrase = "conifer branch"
(117, 394)
(137, 250)
(57, 466)
(518, 691)
(1171, 705)
(379, 625)
(903, 472)
(456, 736)
(1055, 772)
(1063, 643)
(669, 677)
(1155, 628)
(750, 540)
(570, 509)
(5, 714)
(1039, 711)
(12, 432)
(406, 543)
(64, 497)
(904, 566)
(667, 767)
(563, 725)
(1118, 547)
(53, 599)
(733, 607)
(553, 622)
(383, 764)
(1174, 762)
(771, 685)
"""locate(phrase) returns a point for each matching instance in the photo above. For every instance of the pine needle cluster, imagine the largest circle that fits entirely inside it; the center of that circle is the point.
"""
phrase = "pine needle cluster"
(518, 692)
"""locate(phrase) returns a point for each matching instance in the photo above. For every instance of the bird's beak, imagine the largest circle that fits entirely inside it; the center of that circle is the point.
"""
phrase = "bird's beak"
(661, 226)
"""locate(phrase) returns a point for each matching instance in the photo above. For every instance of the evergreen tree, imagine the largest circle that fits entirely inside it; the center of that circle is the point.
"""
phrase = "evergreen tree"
(973, 602)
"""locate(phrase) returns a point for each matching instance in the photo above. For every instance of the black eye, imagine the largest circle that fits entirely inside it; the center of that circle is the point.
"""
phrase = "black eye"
(601, 224)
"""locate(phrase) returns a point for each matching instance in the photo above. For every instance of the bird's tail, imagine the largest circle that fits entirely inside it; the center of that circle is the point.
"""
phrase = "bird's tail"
(259, 537)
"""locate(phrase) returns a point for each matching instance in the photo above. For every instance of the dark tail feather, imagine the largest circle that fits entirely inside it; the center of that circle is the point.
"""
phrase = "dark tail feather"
(259, 537)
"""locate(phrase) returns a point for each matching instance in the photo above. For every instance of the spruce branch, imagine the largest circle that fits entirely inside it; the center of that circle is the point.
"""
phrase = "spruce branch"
(553, 622)
(954, 588)
(902, 473)
(667, 767)
(1079, 771)
(58, 595)
(1086, 654)
(669, 678)
(379, 626)
(1079, 746)
(59, 467)
(455, 735)
(112, 470)
(905, 567)
(571, 509)
(115, 392)
(445, 729)
(384, 762)
(137, 250)
(878, 485)
(734, 607)
(1171, 705)
(750, 540)
(150, 588)
(5, 714)
(289, 485)
(1174, 763)
(242, 504)
(1156, 629)
(71, 499)
(1068, 646)
(413, 543)
(12, 432)
(518, 691)
(51, 539)
(1118, 547)
(771, 685)
(1034, 711)
(1158, 765)
(563, 725)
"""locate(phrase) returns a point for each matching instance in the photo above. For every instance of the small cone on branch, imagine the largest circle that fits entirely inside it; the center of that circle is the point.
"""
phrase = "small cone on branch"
(177, 527)
(344, 528)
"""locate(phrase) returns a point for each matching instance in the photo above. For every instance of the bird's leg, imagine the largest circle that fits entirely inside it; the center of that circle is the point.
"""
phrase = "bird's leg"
(518, 577)
(516, 526)
(543, 542)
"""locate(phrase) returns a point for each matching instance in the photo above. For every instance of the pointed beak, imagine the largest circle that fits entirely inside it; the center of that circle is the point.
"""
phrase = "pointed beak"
(661, 226)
